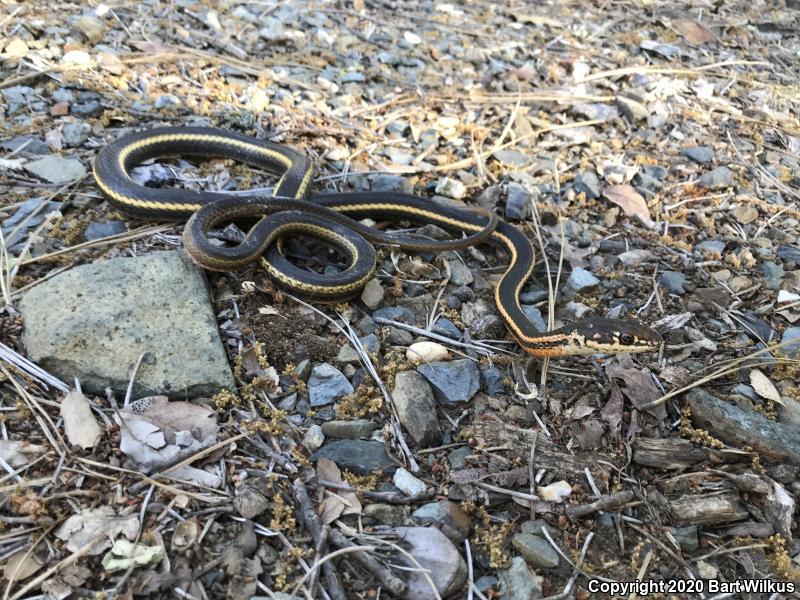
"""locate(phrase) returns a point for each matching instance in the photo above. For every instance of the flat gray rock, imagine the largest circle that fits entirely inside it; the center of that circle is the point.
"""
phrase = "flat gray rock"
(435, 552)
(56, 169)
(361, 457)
(453, 382)
(95, 321)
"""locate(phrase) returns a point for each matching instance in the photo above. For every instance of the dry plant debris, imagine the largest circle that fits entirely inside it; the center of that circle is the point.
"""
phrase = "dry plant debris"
(650, 150)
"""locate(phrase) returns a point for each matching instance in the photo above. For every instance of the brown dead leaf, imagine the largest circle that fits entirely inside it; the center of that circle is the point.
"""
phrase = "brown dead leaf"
(21, 566)
(630, 201)
(639, 387)
(612, 411)
(694, 32)
(337, 502)
(80, 426)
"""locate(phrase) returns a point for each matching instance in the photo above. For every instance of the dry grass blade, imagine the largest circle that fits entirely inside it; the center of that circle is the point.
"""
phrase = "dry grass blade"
(15, 359)
(730, 366)
(128, 236)
(671, 71)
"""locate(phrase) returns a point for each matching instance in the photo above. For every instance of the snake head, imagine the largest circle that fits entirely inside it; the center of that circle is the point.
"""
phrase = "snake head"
(613, 336)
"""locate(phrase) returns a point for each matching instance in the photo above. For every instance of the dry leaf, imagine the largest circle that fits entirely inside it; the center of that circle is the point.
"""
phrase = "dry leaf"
(19, 453)
(612, 411)
(694, 32)
(764, 387)
(100, 525)
(80, 426)
(630, 201)
(127, 555)
(156, 432)
(21, 566)
(337, 502)
(639, 386)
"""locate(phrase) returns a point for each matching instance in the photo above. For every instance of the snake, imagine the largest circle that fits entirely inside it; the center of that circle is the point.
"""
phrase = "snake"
(338, 220)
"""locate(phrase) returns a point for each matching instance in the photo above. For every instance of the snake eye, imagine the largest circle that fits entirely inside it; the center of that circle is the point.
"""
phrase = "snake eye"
(626, 339)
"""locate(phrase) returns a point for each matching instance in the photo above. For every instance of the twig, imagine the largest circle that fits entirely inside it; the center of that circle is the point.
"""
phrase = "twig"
(314, 526)
(474, 346)
(605, 503)
(391, 582)
(576, 571)
(332, 555)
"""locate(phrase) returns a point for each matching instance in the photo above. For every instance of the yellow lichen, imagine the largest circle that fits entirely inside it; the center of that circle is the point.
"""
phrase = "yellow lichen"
(699, 436)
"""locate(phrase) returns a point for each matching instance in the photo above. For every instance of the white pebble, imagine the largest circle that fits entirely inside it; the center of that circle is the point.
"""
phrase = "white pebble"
(407, 483)
(425, 352)
(555, 492)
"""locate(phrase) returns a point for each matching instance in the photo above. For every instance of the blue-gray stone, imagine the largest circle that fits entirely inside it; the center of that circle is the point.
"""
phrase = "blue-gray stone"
(699, 154)
(711, 246)
(718, 179)
(17, 98)
(361, 457)
(487, 327)
(167, 101)
(744, 390)
(399, 156)
(674, 282)
(76, 133)
(353, 77)
(791, 341)
(518, 582)
(30, 144)
(789, 253)
(62, 95)
(535, 550)
(533, 294)
(518, 202)
(327, 385)
(153, 175)
(388, 58)
(447, 328)
(391, 183)
(100, 230)
(492, 380)
(453, 382)
(581, 280)
(395, 313)
(588, 184)
(656, 171)
(534, 316)
(447, 516)
(56, 169)
(773, 275)
(512, 158)
(458, 457)
(596, 111)
(486, 583)
(87, 109)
